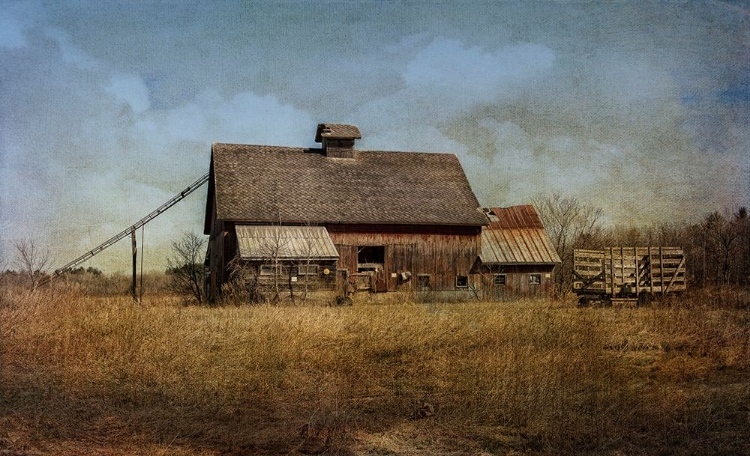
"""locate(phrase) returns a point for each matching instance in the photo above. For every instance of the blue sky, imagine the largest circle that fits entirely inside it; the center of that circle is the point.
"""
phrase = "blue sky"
(109, 108)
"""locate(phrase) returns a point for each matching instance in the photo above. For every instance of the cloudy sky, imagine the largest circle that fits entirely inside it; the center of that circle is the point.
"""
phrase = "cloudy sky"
(109, 108)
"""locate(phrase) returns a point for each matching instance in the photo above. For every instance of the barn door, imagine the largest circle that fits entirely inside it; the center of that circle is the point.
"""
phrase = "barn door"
(347, 257)
(401, 266)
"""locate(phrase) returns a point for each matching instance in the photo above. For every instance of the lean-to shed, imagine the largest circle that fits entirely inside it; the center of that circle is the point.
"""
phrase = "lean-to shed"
(517, 256)
(395, 220)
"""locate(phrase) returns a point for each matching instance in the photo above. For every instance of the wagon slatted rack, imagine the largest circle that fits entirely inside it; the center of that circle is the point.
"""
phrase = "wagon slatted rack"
(628, 273)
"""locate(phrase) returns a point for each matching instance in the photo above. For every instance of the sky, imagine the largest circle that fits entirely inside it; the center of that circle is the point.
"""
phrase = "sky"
(109, 108)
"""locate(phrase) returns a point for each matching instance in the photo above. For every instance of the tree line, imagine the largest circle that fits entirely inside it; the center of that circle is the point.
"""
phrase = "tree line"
(716, 247)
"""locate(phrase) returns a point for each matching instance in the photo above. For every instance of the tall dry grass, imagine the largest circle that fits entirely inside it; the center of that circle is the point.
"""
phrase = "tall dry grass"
(102, 375)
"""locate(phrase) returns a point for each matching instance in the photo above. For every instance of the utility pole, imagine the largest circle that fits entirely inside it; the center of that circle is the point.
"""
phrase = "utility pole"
(135, 262)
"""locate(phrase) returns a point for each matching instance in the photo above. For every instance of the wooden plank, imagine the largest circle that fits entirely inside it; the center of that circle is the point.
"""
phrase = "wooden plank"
(611, 288)
(674, 276)
(661, 268)
(636, 276)
(650, 276)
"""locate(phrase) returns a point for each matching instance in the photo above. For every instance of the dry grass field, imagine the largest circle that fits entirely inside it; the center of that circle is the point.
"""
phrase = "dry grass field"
(83, 375)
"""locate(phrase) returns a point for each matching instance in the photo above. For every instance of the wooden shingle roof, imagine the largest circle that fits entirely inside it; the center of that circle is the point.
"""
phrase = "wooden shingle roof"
(337, 131)
(516, 236)
(269, 184)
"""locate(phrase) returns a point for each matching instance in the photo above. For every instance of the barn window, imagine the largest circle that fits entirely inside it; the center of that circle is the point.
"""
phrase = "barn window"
(423, 282)
(462, 281)
(307, 269)
(499, 279)
(535, 279)
(371, 254)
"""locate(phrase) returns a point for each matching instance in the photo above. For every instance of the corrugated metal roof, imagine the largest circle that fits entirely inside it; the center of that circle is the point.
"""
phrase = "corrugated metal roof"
(285, 242)
(516, 236)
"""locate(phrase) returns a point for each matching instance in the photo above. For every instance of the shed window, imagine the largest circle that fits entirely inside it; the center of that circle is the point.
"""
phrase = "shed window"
(270, 269)
(535, 279)
(307, 269)
(462, 281)
(499, 279)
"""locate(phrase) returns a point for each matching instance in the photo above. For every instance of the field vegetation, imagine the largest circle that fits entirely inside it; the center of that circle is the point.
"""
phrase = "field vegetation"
(87, 372)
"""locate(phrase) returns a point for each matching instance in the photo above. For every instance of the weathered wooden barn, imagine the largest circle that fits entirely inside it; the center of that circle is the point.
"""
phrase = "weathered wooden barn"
(517, 255)
(342, 217)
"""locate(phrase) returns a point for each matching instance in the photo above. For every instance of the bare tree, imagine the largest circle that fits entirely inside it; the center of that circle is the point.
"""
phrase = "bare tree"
(185, 266)
(722, 237)
(570, 224)
(304, 266)
(273, 249)
(742, 224)
(31, 260)
(244, 282)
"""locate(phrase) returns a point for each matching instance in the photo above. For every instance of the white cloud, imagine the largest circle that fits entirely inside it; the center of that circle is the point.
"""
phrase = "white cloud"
(447, 64)
(263, 119)
(513, 164)
(130, 89)
(443, 79)
(416, 138)
(246, 117)
(71, 53)
(471, 74)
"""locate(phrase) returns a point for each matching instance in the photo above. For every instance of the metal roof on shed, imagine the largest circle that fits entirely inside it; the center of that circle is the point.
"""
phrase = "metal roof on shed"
(285, 243)
(516, 236)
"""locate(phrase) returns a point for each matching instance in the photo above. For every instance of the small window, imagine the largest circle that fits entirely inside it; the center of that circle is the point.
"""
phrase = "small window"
(462, 281)
(423, 281)
(270, 269)
(267, 269)
(499, 280)
(535, 279)
(307, 269)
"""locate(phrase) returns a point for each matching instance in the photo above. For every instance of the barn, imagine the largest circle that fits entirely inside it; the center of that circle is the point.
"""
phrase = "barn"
(340, 218)
(517, 256)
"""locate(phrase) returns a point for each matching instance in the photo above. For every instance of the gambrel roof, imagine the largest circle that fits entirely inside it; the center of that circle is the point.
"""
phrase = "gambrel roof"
(516, 236)
(270, 184)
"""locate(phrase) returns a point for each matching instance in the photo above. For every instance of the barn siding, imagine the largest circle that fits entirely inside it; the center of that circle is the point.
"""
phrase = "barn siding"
(517, 282)
(441, 252)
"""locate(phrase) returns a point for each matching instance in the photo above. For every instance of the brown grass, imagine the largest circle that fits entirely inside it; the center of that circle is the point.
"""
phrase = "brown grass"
(101, 375)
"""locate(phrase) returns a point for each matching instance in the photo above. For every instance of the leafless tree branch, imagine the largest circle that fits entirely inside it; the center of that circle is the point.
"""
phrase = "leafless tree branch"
(31, 260)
